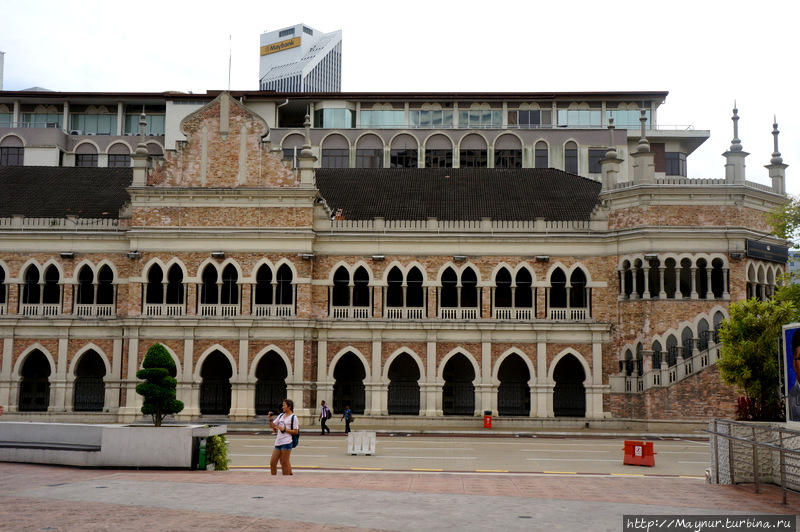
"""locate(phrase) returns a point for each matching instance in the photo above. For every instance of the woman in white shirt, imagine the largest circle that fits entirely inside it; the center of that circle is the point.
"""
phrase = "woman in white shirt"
(285, 426)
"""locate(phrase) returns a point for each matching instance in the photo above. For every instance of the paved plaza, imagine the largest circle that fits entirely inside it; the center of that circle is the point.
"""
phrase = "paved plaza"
(344, 494)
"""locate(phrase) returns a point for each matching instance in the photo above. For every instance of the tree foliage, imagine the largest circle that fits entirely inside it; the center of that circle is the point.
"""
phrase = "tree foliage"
(751, 347)
(158, 389)
(785, 220)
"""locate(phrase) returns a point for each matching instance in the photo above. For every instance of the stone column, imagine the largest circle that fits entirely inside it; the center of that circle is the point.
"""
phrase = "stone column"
(191, 408)
(128, 412)
(634, 288)
(113, 379)
(646, 294)
(58, 384)
(693, 295)
(725, 293)
(485, 384)
(297, 387)
(247, 309)
(241, 408)
(379, 391)
(661, 293)
(544, 399)
(432, 388)
(621, 283)
(709, 291)
(5, 372)
(324, 386)
(191, 299)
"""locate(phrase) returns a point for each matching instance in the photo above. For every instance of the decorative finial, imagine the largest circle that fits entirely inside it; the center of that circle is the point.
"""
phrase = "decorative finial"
(612, 151)
(776, 155)
(306, 151)
(644, 145)
(736, 144)
(141, 148)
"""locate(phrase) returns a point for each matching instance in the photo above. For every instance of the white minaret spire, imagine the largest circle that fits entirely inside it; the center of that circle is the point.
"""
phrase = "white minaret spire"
(644, 168)
(734, 157)
(777, 170)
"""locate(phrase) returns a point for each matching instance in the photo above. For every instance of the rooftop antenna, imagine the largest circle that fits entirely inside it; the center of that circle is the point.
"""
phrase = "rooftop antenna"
(230, 54)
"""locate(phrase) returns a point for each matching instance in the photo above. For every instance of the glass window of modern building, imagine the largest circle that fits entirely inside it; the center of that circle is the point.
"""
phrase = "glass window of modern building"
(155, 124)
(383, 118)
(571, 158)
(94, 124)
(430, 118)
(675, 163)
(480, 118)
(334, 118)
(595, 155)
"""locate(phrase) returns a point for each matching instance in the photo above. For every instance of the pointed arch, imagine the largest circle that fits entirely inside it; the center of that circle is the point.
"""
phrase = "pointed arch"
(396, 353)
(507, 353)
(262, 353)
(216, 347)
(36, 346)
(91, 346)
(587, 371)
(453, 352)
(342, 352)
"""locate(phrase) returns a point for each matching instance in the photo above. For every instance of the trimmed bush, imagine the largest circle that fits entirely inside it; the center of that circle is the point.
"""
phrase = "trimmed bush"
(158, 389)
(217, 452)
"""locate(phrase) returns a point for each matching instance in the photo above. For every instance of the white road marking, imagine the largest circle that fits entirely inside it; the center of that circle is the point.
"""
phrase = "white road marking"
(293, 454)
(434, 457)
(422, 447)
(559, 451)
(682, 452)
(571, 460)
(307, 446)
(706, 462)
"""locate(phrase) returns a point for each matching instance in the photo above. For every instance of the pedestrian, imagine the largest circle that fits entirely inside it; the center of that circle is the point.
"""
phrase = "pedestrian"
(324, 416)
(347, 416)
(1, 410)
(285, 426)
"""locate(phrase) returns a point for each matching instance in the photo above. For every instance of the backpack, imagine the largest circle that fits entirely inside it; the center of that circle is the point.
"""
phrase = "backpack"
(328, 414)
(295, 437)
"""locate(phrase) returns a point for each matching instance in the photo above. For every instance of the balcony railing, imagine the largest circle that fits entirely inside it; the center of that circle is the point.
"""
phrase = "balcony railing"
(568, 313)
(219, 310)
(44, 309)
(161, 309)
(273, 311)
(405, 313)
(350, 312)
(458, 313)
(87, 311)
(513, 313)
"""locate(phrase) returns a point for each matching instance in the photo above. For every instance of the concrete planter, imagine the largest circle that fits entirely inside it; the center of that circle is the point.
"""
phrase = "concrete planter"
(168, 446)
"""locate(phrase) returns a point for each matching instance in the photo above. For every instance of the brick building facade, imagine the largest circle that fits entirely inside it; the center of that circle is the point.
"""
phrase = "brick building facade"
(529, 292)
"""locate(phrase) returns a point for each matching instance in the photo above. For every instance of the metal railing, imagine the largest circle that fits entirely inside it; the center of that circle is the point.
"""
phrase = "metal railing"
(743, 452)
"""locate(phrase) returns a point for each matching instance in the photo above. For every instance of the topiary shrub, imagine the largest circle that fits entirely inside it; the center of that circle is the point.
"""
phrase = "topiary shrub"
(217, 452)
(159, 389)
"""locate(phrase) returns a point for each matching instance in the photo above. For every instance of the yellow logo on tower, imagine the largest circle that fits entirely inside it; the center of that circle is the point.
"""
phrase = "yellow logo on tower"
(280, 46)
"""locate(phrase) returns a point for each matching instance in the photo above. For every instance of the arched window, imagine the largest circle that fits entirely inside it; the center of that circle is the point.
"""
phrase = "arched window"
(335, 152)
(502, 291)
(687, 342)
(31, 293)
(85, 286)
(628, 366)
(459, 298)
(685, 279)
(639, 370)
(34, 388)
(341, 288)
(523, 293)
(284, 291)
(404, 152)
(438, 152)
(541, 155)
(718, 279)
(12, 151)
(656, 354)
(175, 286)
(672, 350)
(571, 157)
(557, 295)
(718, 319)
(394, 290)
(230, 287)
(369, 152)
(670, 279)
(701, 278)
(351, 300)
(154, 292)
(472, 152)
(703, 335)
(578, 296)
(507, 152)
(627, 279)
(263, 289)
(105, 286)
(89, 391)
(51, 294)
(209, 292)
(415, 296)
(639, 278)
(361, 292)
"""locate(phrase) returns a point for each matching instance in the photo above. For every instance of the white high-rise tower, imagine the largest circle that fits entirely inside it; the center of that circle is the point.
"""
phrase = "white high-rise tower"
(301, 59)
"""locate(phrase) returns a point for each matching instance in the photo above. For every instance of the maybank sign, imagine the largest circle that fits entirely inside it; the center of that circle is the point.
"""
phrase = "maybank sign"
(280, 46)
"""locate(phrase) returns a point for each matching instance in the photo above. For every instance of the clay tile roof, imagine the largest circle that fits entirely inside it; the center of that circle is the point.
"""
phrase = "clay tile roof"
(56, 191)
(457, 193)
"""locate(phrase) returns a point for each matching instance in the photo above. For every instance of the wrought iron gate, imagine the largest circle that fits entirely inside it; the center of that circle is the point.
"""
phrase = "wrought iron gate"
(269, 395)
(90, 394)
(403, 398)
(458, 399)
(514, 399)
(569, 399)
(34, 394)
(349, 393)
(215, 397)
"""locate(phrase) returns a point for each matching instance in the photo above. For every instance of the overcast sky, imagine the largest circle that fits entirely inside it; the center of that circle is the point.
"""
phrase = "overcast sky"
(705, 53)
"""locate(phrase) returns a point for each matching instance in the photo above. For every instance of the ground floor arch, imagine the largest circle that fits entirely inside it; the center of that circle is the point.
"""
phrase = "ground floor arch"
(403, 392)
(458, 392)
(215, 387)
(271, 373)
(34, 388)
(513, 392)
(569, 394)
(89, 387)
(348, 387)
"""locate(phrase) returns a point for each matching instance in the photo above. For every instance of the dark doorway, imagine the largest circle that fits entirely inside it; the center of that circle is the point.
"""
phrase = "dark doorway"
(90, 391)
(271, 376)
(458, 393)
(348, 388)
(513, 394)
(403, 386)
(569, 395)
(215, 389)
(34, 390)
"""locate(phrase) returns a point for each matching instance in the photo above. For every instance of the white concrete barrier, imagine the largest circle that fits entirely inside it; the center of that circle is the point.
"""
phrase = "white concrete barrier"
(361, 442)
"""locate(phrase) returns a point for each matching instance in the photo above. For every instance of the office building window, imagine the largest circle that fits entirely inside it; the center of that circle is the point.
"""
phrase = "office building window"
(12, 156)
(675, 163)
(335, 158)
(155, 125)
(571, 158)
(6, 119)
(334, 118)
(542, 159)
(403, 158)
(530, 119)
(507, 158)
(579, 117)
(308, 30)
(116, 160)
(594, 160)
(86, 159)
(480, 119)
(438, 158)
(42, 120)
(94, 124)
(382, 118)
(629, 118)
(286, 33)
(430, 118)
(369, 158)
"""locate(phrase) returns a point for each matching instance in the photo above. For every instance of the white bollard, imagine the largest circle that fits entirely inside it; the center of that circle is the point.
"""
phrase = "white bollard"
(361, 442)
